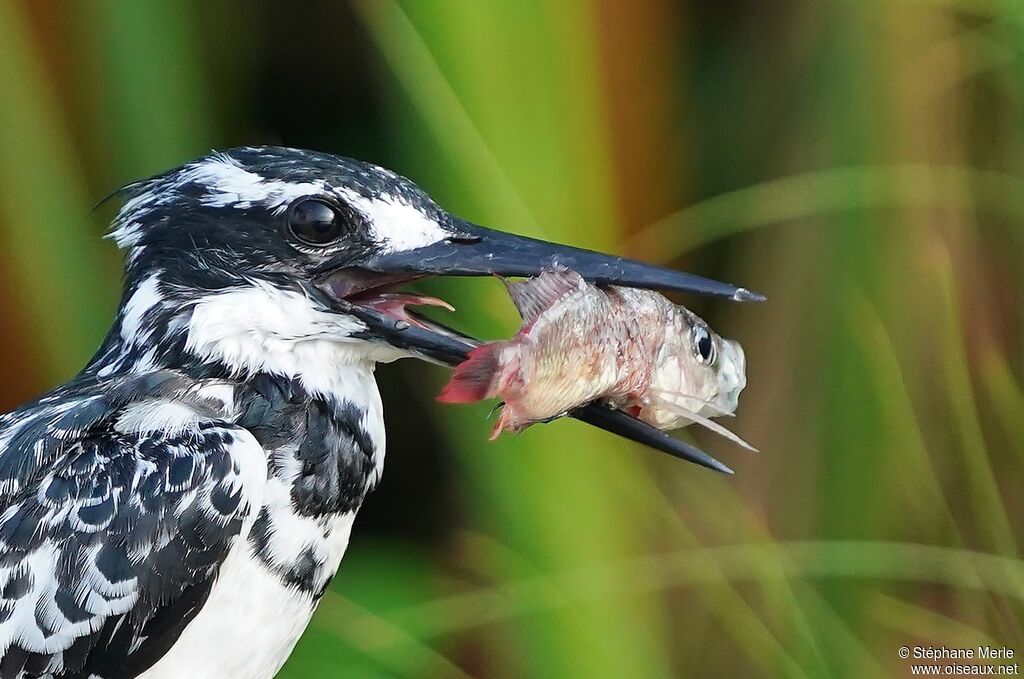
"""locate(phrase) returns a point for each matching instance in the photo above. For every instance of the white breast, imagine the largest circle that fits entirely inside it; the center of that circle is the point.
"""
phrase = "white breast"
(250, 623)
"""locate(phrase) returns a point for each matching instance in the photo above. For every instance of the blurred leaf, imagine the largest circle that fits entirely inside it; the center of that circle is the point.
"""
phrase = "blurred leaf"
(436, 100)
(827, 192)
(800, 561)
(1006, 397)
(913, 467)
(68, 285)
(151, 76)
(913, 621)
(990, 516)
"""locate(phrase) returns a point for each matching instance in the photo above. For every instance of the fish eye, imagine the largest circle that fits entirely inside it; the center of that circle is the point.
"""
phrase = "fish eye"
(314, 221)
(703, 345)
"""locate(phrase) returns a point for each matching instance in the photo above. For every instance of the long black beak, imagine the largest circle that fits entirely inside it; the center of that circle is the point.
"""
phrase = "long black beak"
(473, 250)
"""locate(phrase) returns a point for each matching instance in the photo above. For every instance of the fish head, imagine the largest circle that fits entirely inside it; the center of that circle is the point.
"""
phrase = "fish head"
(714, 369)
(698, 372)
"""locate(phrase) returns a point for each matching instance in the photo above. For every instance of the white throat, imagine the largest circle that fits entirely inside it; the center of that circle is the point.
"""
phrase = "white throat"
(264, 329)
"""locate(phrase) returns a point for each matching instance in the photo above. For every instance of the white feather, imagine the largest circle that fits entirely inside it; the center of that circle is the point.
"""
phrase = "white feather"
(250, 623)
(395, 225)
(145, 297)
(231, 184)
(167, 416)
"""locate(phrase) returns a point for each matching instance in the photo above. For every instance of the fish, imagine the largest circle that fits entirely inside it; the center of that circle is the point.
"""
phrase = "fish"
(578, 343)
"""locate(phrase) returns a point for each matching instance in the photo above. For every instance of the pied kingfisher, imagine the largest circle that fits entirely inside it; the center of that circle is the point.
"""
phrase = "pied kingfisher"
(179, 507)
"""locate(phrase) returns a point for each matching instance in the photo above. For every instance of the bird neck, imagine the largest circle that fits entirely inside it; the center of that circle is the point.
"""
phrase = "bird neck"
(235, 333)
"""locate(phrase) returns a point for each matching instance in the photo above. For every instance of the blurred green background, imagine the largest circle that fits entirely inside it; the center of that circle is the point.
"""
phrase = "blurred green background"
(861, 162)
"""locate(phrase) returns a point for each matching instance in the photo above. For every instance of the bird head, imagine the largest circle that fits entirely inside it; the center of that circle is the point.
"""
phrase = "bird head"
(248, 250)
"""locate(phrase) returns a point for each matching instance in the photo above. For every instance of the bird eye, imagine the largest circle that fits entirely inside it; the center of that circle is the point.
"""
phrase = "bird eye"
(314, 222)
(703, 345)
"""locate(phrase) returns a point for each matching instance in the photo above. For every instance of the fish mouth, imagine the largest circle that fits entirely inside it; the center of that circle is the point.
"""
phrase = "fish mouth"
(370, 291)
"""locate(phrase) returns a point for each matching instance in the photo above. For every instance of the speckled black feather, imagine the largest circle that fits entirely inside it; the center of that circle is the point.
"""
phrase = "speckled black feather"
(115, 504)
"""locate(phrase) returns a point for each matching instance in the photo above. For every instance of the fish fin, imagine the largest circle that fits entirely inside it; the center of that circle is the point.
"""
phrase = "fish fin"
(705, 422)
(508, 420)
(711, 425)
(503, 424)
(474, 378)
(534, 296)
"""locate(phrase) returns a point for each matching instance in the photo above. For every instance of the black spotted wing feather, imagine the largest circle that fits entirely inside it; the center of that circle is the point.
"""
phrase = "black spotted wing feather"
(110, 540)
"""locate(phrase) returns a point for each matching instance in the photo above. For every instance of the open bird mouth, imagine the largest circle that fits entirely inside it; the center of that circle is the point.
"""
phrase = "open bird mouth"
(382, 293)
(368, 290)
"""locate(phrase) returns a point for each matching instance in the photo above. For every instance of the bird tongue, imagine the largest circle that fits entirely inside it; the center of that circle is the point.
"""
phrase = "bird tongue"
(394, 305)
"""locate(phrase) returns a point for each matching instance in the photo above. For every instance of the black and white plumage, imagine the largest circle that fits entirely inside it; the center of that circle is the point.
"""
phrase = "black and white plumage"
(180, 506)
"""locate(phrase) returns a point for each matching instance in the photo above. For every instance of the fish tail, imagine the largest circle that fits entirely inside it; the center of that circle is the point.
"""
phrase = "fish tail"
(474, 378)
